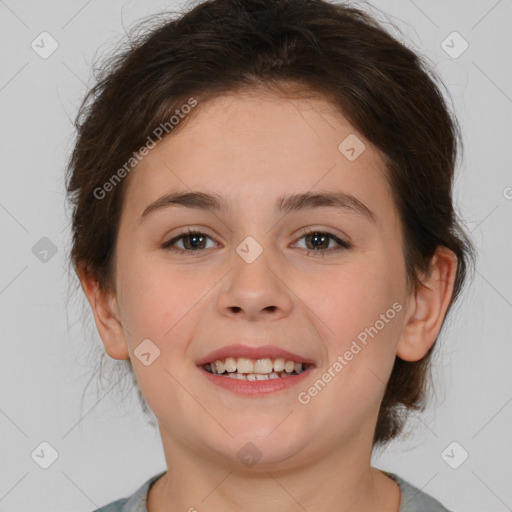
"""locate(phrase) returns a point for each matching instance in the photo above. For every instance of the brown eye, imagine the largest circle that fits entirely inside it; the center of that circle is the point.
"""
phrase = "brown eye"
(320, 241)
(192, 241)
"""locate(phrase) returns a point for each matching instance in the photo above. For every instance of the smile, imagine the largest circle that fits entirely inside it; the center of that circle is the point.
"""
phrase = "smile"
(243, 368)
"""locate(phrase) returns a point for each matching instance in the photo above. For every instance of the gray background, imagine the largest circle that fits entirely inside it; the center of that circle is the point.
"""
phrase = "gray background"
(105, 449)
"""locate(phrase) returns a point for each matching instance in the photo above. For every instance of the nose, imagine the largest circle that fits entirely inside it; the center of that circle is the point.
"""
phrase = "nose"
(255, 290)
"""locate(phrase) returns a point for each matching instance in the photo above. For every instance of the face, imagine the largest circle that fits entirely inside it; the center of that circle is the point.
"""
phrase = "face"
(316, 279)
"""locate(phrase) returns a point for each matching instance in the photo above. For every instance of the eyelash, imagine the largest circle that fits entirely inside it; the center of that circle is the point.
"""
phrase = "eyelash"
(342, 244)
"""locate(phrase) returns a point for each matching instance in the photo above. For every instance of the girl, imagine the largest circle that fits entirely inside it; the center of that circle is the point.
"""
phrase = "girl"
(264, 229)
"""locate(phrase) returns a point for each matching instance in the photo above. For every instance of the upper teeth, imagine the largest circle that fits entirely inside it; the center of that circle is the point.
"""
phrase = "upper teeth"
(244, 365)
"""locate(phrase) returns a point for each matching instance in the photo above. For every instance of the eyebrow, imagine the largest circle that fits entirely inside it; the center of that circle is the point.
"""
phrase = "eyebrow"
(284, 204)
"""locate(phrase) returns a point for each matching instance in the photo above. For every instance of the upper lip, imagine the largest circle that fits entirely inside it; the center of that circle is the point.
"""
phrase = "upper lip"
(262, 352)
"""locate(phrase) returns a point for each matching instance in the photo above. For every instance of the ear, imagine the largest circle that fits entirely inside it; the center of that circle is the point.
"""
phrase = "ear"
(427, 307)
(106, 316)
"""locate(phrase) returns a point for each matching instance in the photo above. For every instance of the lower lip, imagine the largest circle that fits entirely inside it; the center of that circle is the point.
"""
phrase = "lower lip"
(256, 387)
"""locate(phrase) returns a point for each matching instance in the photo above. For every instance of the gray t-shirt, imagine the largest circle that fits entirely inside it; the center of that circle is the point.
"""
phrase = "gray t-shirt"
(412, 499)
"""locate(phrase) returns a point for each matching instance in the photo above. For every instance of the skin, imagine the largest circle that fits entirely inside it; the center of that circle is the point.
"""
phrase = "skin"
(253, 147)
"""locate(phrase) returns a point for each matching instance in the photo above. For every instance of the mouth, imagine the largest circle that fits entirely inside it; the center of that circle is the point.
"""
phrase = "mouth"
(242, 368)
(253, 371)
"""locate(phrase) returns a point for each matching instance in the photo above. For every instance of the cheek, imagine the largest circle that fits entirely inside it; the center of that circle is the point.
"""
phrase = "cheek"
(162, 307)
(360, 317)
(161, 303)
(350, 299)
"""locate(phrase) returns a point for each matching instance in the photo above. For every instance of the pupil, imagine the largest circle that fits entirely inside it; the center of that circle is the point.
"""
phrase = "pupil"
(317, 237)
(193, 237)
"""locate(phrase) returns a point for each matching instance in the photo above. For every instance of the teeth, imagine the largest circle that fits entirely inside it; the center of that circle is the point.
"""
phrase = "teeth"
(289, 366)
(244, 365)
(219, 367)
(264, 366)
(279, 364)
(261, 369)
(230, 364)
(256, 376)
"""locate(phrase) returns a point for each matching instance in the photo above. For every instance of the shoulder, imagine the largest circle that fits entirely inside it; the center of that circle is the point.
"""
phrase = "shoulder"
(414, 499)
(134, 503)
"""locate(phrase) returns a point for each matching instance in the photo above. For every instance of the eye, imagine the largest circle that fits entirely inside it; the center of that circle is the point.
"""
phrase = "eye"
(193, 241)
(320, 241)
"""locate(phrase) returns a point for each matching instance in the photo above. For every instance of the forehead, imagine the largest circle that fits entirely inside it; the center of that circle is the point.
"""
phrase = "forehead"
(252, 147)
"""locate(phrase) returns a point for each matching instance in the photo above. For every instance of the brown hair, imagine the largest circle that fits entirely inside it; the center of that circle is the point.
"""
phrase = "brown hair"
(295, 47)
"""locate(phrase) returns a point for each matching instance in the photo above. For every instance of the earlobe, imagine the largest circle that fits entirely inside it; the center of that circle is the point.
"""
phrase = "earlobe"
(106, 316)
(427, 308)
